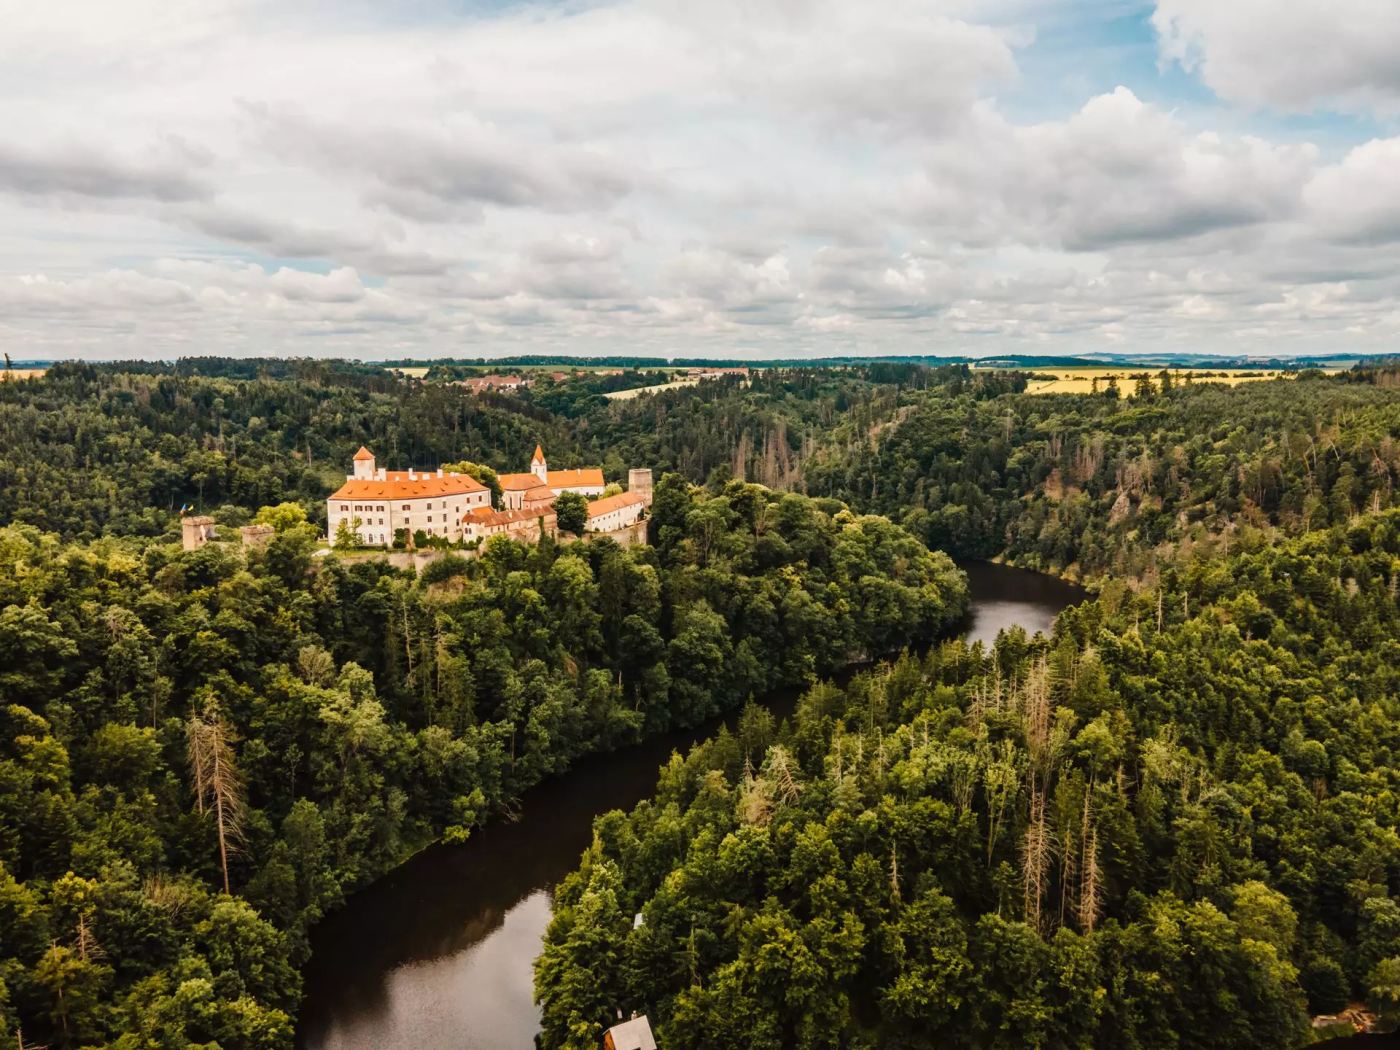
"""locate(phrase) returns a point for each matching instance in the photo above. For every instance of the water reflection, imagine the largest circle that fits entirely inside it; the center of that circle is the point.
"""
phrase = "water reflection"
(1005, 597)
(438, 955)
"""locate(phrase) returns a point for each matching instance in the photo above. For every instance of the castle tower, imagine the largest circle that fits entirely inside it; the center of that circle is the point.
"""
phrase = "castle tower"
(639, 481)
(195, 532)
(538, 467)
(364, 464)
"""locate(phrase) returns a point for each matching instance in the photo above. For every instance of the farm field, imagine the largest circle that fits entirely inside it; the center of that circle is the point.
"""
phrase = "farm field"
(21, 373)
(1088, 380)
(627, 395)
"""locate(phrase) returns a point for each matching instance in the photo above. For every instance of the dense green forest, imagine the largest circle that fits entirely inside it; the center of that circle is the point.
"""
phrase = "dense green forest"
(204, 751)
(1172, 824)
(968, 462)
(117, 450)
(1094, 484)
(176, 724)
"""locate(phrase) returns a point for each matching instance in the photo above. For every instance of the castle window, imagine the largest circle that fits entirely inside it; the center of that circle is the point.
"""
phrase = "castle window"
(405, 506)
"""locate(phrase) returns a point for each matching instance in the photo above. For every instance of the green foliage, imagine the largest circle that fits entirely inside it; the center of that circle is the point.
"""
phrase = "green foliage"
(1125, 834)
(571, 509)
(481, 473)
(346, 538)
(338, 717)
(1094, 484)
(1178, 808)
(282, 517)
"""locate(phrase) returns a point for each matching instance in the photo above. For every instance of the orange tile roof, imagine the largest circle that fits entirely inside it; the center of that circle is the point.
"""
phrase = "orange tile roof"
(556, 479)
(396, 485)
(539, 455)
(599, 507)
(364, 453)
(568, 479)
(483, 516)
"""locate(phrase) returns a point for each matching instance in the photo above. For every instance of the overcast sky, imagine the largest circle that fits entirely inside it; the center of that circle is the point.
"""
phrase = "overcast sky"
(724, 177)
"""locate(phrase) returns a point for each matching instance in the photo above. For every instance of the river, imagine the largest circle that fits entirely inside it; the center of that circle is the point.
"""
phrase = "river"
(438, 954)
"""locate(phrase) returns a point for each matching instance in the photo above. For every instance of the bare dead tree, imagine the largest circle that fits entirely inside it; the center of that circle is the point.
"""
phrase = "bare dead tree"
(1035, 857)
(1044, 745)
(755, 799)
(1069, 869)
(217, 786)
(1090, 888)
(780, 765)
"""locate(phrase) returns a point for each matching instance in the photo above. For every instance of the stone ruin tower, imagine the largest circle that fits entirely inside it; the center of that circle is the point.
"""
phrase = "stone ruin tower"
(639, 481)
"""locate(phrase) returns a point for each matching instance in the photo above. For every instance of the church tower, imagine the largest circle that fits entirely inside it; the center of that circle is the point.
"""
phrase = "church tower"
(364, 464)
(538, 466)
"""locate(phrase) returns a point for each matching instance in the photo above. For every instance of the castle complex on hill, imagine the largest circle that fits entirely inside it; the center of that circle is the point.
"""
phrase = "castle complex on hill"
(376, 503)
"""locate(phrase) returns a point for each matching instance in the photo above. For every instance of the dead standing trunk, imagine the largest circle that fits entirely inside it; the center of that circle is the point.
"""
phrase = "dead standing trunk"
(215, 777)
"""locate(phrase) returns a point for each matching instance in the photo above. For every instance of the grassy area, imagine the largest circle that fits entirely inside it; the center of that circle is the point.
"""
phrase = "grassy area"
(21, 373)
(626, 395)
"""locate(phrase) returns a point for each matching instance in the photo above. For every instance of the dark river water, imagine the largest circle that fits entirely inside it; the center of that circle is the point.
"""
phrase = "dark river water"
(438, 954)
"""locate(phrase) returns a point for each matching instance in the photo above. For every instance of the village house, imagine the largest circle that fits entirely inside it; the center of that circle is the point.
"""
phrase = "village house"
(717, 373)
(377, 502)
(541, 485)
(501, 384)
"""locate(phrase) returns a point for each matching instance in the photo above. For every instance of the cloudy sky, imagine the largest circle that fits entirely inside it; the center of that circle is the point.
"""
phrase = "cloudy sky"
(731, 177)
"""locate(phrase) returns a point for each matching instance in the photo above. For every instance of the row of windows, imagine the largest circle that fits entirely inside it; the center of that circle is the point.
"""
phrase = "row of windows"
(345, 507)
(430, 518)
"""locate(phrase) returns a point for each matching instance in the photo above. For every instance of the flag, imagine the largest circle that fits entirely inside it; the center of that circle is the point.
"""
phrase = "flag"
(184, 507)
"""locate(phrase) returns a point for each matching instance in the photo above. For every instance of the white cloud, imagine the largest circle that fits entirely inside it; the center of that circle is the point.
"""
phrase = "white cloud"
(1117, 172)
(757, 176)
(1289, 55)
(900, 65)
(449, 170)
(1358, 199)
(70, 171)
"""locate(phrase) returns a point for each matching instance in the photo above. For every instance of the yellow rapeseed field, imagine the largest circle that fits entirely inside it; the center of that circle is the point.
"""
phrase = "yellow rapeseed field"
(1087, 380)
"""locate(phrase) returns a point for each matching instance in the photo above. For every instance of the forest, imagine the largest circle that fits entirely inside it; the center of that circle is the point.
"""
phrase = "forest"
(1177, 807)
(1085, 485)
(203, 751)
(1172, 823)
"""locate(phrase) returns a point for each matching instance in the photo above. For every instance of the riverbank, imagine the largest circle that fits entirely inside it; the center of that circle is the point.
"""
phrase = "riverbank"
(439, 952)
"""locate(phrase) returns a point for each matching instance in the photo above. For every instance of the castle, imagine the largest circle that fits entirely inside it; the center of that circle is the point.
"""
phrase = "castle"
(375, 502)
